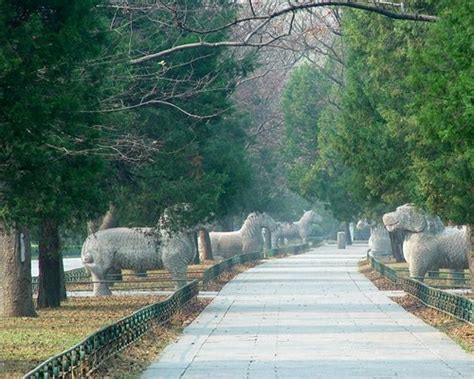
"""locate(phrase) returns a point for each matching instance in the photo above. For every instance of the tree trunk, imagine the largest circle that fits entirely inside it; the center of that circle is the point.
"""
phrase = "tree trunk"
(62, 287)
(49, 257)
(93, 226)
(348, 233)
(396, 241)
(107, 221)
(16, 298)
(197, 258)
(110, 219)
(205, 250)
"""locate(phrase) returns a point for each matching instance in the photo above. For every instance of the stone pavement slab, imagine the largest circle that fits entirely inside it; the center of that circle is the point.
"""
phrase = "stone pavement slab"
(309, 316)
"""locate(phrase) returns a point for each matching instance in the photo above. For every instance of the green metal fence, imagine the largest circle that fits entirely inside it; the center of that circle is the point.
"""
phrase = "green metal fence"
(83, 358)
(213, 272)
(454, 305)
(443, 278)
(457, 306)
(384, 270)
(79, 274)
(216, 270)
(70, 276)
(315, 241)
(292, 249)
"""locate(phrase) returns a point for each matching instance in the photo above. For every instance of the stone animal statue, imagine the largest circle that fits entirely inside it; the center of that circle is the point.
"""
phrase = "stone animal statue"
(379, 240)
(300, 229)
(137, 249)
(247, 239)
(428, 244)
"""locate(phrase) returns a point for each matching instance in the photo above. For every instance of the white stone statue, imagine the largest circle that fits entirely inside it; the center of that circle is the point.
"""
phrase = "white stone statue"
(137, 249)
(428, 244)
(379, 240)
(247, 239)
(300, 229)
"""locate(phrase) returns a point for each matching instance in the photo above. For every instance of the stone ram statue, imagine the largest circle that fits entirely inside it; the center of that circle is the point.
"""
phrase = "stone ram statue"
(428, 244)
(379, 241)
(300, 229)
(247, 239)
(137, 249)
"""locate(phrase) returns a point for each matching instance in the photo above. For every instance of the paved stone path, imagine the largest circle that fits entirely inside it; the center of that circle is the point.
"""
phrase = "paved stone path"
(309, 316)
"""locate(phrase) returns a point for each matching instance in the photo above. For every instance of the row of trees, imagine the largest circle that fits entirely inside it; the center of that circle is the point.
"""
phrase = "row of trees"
(396, 125)
(83, 131)
(126, 107)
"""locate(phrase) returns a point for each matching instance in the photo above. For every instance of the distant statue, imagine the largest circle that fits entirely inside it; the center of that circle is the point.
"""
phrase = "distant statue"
(428, 244)
(379, 240)
(247, 239)
(300, 229)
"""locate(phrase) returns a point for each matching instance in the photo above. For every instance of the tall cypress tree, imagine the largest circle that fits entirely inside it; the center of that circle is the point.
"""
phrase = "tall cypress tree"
(48, 95)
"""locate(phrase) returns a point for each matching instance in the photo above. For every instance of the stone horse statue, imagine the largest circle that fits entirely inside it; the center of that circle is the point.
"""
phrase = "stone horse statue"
(300, 229)
(379, 241)
(138, 249)
(247, 239)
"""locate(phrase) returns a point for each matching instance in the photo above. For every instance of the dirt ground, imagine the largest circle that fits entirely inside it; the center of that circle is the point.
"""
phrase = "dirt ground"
(26, 342)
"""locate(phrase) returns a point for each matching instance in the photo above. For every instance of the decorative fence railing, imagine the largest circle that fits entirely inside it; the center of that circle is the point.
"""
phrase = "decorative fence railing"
(458, 278)
(213, 272)
(454, 305)
(384, 270)
(315, 241)
(292, 249)
(218, 269)
(70, 276)
(83, 358)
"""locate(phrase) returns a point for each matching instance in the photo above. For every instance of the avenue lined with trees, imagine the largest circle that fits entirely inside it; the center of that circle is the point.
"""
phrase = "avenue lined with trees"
(132, 107)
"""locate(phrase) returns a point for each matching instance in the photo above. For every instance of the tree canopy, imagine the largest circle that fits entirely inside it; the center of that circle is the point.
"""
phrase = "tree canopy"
(399, 127)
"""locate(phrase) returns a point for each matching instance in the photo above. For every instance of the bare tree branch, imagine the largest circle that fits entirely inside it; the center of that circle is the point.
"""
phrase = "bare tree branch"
(376, 6)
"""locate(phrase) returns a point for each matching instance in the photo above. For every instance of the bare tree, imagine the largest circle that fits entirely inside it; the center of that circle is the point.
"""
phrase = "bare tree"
(261, 19)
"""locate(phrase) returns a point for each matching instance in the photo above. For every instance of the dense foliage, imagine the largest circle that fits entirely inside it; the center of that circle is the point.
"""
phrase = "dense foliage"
(46, 91)
(82, 128)
(401, 130)
(443, 113)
